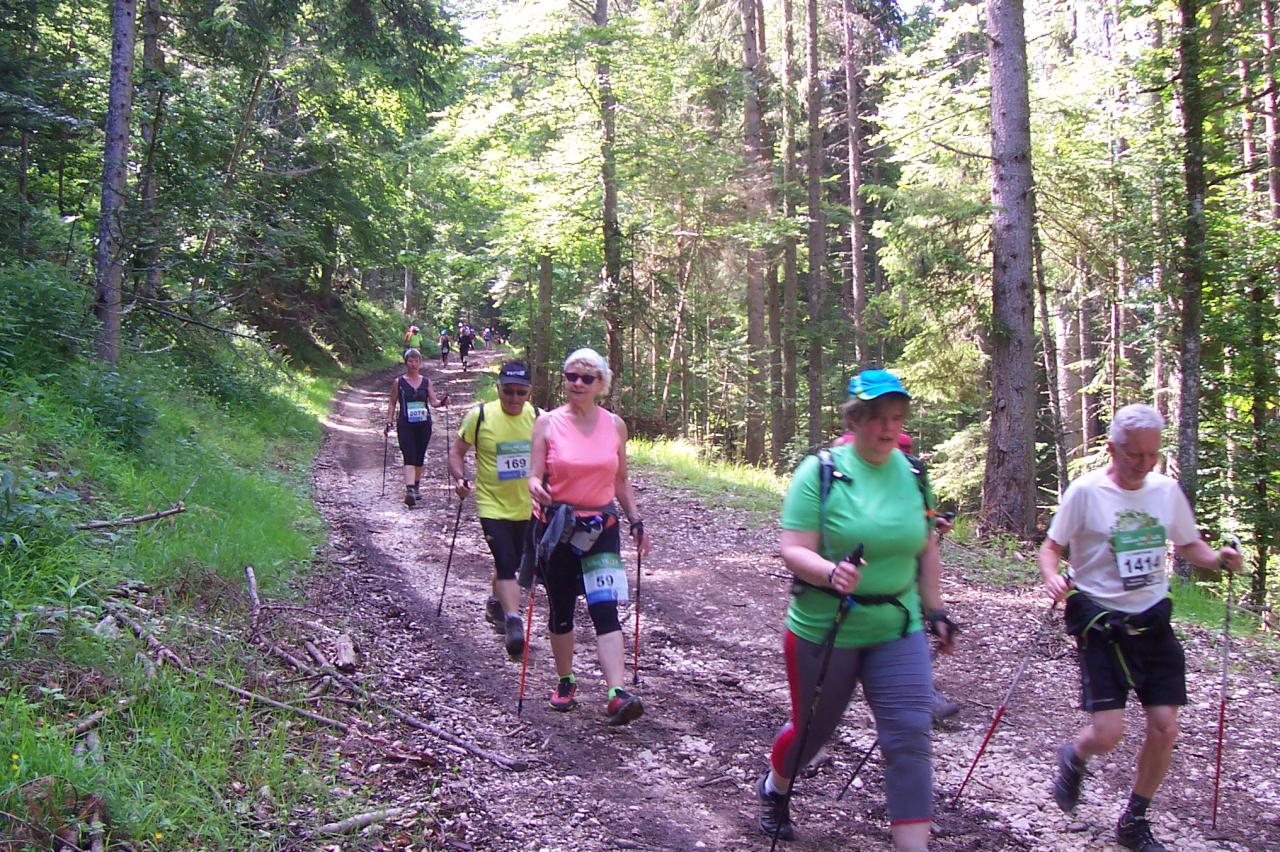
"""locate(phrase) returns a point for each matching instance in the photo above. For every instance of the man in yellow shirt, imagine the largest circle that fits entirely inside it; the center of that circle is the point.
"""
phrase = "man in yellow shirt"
(501, 433)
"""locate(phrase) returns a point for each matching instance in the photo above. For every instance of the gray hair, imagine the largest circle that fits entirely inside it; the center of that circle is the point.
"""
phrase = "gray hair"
(1133, 417)
(588, 357)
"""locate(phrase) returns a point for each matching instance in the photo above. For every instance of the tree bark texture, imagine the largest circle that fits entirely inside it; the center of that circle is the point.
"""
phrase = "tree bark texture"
(1008, 486)
(115, 165)
(1049, 356)
(611, 230)
(790, 385)
(756, 191)
(857, 224)
(542, 334)
(153, 65)
(1193, 247)
(817, 230)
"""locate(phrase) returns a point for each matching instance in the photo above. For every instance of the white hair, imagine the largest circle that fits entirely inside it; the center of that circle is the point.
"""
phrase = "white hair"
(588, 357)
(1133, 417)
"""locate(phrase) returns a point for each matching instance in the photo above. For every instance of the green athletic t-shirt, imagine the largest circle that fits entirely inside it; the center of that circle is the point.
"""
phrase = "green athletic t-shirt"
(502, 461)
(882, 509)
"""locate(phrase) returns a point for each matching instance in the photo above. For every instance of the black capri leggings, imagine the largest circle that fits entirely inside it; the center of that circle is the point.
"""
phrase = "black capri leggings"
(563, 579)
(413, 439)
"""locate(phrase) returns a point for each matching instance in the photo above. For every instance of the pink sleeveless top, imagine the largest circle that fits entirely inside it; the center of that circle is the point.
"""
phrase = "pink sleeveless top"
(581, 468)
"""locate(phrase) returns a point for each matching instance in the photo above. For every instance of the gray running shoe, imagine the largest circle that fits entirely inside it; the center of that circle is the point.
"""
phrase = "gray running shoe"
(493, 614)
(1135, 833)
(775, 812)
(1066, 786)
(514, 635)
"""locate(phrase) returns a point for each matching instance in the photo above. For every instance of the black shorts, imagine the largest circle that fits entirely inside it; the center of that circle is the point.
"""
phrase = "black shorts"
(413, 439)
(1153, 661)
(507, 541)
(563, 580)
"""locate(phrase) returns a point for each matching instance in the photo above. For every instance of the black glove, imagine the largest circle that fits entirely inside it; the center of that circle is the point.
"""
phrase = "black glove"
(635, 528)
(935, 617)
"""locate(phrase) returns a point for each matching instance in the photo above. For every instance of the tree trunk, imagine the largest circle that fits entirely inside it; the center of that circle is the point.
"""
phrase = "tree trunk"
(153, 63)
(1068, 346)
(115, 165)
(817, 230)
(542, 335)
(857, 225)
(229, 174)
(777, 425)
(756, 189)
(1193, 248)
(1271, 111)
(611, 232)
(1050, 356)
(790, 385)
(1008, 486)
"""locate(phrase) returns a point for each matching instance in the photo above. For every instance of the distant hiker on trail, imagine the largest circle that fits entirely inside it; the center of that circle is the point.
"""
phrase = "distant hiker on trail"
(466, 341)
(861, 496)
(488, 337)
(413, 338)
(410, 395)
(444, 345)
(502, 433)
(1116, 523)
(578, 468)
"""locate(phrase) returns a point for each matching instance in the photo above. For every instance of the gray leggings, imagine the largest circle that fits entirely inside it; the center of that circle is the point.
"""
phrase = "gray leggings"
(897, 680)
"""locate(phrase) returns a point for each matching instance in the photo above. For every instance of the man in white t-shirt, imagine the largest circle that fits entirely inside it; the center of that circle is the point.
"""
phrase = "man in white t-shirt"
(1117, 523)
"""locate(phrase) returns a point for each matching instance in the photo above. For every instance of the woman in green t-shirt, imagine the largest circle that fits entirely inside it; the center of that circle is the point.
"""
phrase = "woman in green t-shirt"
(873, 499)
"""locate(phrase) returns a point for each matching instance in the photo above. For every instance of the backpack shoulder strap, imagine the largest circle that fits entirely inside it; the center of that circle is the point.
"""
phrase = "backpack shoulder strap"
(922, 482)
(475, 434)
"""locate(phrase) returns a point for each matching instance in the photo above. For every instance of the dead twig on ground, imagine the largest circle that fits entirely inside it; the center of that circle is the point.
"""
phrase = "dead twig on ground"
(362, 820)
(180, 506)
(88, 723)
(164, 655)
(255, 602)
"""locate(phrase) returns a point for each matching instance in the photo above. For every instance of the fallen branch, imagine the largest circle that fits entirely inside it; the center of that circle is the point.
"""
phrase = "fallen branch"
(362, 820)
(88, 723)
(255, 602)
(164, 655)
(180, 506)
(346, 656)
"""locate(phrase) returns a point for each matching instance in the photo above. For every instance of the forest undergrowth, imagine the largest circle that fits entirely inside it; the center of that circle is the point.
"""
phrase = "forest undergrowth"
(217, 436)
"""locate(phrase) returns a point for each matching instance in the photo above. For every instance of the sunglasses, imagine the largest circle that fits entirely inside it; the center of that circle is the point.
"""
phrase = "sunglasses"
(508, 390)
(585, 378)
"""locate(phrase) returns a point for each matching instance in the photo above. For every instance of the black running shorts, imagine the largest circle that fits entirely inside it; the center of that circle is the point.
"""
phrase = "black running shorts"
(1154, 661)
(413, 439)
(507, 541)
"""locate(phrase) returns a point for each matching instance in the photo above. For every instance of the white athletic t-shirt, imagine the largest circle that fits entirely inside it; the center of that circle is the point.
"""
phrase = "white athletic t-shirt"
(1117, 537)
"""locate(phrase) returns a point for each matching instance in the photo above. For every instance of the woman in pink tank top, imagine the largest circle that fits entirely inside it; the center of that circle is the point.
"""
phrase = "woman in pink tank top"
(579, 460)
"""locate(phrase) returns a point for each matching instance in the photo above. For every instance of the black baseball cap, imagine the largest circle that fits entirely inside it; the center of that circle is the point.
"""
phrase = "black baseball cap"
(514, 373)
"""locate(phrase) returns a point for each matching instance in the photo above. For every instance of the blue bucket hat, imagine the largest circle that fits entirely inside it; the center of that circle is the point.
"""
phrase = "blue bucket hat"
(870, 384)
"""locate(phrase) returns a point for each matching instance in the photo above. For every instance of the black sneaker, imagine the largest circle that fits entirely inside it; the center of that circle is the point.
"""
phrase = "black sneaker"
(515, 635)
(943, 709)
(410, 496)
(775, 812)
(1135, 833)
(623, 708)
(1066, 786)
(493, 614)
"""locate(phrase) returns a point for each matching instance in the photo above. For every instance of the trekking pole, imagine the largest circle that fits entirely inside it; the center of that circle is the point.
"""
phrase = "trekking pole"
(528, 635)
(635, 656)
(447, 432)
(1222, 697)
(846, 603)
(1005, 703)
(456, 521)
(866, 755)
(386, 440)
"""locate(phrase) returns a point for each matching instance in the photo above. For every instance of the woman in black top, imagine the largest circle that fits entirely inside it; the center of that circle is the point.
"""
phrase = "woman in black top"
(411, 394)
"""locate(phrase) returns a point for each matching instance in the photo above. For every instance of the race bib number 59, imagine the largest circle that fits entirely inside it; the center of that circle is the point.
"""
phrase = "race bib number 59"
(1139, 555)
(604, 578)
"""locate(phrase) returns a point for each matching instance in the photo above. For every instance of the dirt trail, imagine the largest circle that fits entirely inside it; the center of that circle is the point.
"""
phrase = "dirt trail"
(713, 597)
